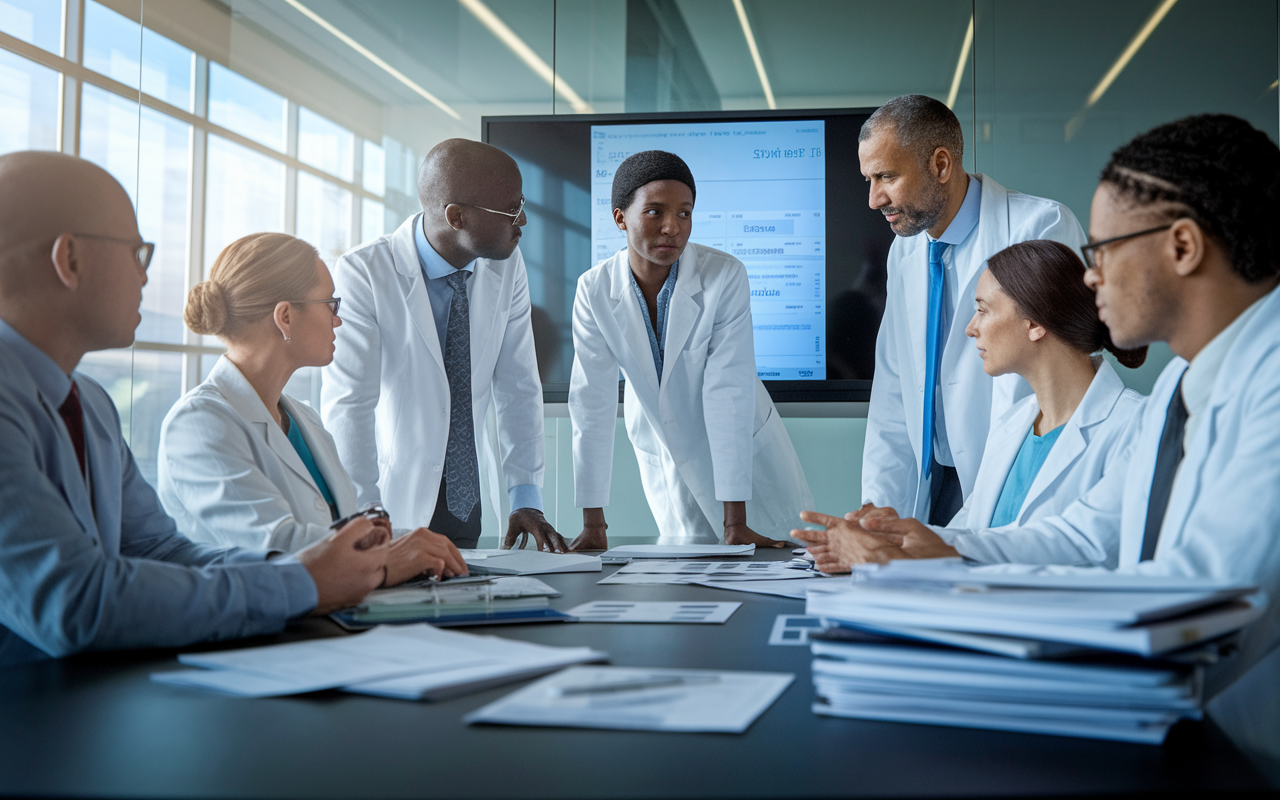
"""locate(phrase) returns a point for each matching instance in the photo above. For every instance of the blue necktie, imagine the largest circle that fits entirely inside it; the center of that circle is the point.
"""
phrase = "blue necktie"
(932, 353)
(461, 472)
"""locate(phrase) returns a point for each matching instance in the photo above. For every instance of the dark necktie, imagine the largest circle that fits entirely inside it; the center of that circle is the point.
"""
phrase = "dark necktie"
(461, 472)
(1168, 457)
(932, 352)
(73, 415)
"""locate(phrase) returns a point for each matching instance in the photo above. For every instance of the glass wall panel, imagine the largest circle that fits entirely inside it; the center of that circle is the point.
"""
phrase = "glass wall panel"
(324, 216)
(373, 220)
(109, 135)
(1060, 86)
(244, 193)
(37, 22)
(168, 70)
(324, 145)
(144, 386)
(112, 44)
(374, 169)
(164, 175)
(238, 104)
(28, 104)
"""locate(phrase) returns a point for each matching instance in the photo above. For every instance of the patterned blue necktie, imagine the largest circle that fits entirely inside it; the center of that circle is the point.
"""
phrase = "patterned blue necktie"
(461, 472)
(932, 353)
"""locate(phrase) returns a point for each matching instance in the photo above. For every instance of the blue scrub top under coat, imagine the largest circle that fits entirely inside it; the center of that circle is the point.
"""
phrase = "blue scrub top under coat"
(304, 452)
(1034, 451)
(658, 338)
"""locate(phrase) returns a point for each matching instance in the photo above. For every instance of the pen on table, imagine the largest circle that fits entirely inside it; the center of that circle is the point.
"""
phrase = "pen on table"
(627, 686)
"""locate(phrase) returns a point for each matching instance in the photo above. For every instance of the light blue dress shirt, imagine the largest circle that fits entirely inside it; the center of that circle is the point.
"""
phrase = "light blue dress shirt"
(963, 224)
(435, 269)
(1031, 456)
(108, 571)
(657, 338)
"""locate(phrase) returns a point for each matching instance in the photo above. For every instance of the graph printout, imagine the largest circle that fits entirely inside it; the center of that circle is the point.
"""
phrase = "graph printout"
(761, 198)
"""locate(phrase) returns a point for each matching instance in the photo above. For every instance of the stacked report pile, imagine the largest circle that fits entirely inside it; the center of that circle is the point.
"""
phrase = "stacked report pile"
(1094, 655)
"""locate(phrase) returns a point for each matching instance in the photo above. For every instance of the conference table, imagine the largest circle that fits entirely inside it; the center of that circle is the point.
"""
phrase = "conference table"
(95, 725)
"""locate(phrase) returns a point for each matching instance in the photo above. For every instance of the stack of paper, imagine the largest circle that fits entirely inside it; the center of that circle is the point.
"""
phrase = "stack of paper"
(411, 661)
(640, 699)
(527, 562)
(1100, 656)
(666, 572)
(630, 551)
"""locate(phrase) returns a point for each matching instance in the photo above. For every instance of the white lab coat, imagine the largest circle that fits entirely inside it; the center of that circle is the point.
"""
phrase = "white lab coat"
(1223, 517)
(709, 432)
(385, 398)
(970, 399)
(1095, 440)
(229, 475)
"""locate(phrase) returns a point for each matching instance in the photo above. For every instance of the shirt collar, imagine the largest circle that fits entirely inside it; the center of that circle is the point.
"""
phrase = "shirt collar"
(433, 264)
(1202, 374)
(966, 218)
(50, 380)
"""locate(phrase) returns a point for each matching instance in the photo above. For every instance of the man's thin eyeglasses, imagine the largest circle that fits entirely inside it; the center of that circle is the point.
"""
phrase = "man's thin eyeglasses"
(333, 303)
(1089, 250)
(142, 253)
(515, 218)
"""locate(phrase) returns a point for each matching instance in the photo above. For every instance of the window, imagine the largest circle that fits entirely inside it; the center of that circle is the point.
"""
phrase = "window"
(238, 104)
(374, 178)
(324, 145)
(324, 216)
(244, 193)
(373, 220)
(167, 70)
(112, 43)
(38, 22)
(28, 103)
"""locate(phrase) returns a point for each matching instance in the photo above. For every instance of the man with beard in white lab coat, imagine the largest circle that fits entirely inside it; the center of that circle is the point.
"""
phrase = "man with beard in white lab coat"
(436, 323)
(675, 318)
(931, 403)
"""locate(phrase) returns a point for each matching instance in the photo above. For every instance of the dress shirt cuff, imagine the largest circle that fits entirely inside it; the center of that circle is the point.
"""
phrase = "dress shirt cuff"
(526, 495)
(300, 590)
(948, 535)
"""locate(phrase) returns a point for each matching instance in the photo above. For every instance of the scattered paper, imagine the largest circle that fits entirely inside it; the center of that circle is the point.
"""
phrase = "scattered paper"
(528, 562)
(623, 611)
(686, 701)
(794, 629)
(778, 588)
(679, 550)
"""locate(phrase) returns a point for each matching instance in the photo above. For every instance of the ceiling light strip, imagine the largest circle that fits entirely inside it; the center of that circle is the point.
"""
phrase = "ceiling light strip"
(755, 52)
(367, 53)
(525, 53)
(1129, 52)
(964, 59)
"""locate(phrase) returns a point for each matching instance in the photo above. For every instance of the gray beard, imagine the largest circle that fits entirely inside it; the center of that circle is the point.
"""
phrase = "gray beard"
(922, 217)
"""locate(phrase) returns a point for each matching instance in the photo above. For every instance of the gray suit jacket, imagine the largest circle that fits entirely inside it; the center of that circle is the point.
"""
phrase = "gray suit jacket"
(107, 571)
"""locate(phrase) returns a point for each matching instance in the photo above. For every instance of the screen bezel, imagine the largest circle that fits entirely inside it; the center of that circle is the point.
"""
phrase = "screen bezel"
(823, 391)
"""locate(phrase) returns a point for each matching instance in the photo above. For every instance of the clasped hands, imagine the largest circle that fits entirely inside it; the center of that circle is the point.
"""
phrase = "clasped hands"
(870, 535)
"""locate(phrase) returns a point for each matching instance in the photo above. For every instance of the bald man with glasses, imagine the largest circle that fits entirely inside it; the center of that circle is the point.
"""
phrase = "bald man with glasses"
(436, 327)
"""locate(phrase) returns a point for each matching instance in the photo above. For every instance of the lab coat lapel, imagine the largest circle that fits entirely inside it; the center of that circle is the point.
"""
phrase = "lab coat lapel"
(1001, 451)
(404, 254)
(237, 390)
(990, 237)
(915, 288)
(684, 311)
(626, 309)
(326, 458)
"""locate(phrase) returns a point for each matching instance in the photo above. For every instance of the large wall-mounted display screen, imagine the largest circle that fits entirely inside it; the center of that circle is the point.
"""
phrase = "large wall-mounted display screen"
(780, 191)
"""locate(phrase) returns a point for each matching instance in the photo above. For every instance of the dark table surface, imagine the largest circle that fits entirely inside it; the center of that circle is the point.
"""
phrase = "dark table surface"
(96, 725)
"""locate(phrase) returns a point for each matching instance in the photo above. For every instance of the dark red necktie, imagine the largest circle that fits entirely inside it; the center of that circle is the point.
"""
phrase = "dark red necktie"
(73, 415)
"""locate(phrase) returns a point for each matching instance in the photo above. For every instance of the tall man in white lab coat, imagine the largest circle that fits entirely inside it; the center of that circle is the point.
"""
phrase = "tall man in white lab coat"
(436, 323)
(1185, 249)
(931, 402)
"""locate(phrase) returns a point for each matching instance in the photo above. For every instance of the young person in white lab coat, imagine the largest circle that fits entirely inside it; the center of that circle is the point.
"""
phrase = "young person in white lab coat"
(675, 318)
(931, 403)
(1035, 318)
(438, 328)
(1185, 249)
(243, 464)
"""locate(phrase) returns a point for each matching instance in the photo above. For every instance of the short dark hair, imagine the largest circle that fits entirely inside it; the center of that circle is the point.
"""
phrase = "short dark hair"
(1219, 171)
(648, 166)
(1045, 280)
(921, 124)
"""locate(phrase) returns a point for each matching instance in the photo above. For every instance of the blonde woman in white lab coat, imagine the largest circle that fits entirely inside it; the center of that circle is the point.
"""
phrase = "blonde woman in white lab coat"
(1034, 317)
(675, 318)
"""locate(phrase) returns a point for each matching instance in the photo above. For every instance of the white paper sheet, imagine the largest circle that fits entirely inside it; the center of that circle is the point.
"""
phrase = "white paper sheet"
(318, 664)
(794, 629)
(722, 702)
(714, 570)
(955, 570)
(679, 550)
(631, 611)
(529, 562)
(780, 588)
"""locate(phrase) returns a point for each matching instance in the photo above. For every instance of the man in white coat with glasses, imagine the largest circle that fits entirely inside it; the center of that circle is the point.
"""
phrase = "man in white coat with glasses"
(436, 325)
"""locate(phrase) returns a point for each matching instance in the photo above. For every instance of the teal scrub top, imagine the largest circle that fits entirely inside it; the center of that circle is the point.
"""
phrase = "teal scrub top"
(1031, 456)
(304, 452)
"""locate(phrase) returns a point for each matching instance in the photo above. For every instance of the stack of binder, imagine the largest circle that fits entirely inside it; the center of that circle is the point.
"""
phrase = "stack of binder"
(1100, 656)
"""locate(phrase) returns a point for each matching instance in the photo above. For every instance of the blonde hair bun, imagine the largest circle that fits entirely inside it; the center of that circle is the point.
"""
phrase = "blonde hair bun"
(206, 311)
